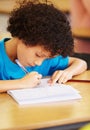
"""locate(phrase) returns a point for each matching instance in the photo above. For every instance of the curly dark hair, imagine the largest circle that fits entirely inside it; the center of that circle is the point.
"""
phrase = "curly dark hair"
(42, 24)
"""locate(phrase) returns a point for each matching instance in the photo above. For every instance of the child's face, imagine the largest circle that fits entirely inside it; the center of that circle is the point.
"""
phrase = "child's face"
(31, 55)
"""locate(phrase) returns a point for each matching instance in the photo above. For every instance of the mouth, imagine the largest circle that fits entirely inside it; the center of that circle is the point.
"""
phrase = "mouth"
(32, 65)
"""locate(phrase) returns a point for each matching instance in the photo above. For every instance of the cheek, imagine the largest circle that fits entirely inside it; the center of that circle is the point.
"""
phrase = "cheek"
(21, 56)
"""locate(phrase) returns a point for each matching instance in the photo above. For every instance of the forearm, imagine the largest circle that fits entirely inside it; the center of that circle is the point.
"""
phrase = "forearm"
(77, 6)
(30, 80)
(86, 4)
(10, 84)
(76, 67)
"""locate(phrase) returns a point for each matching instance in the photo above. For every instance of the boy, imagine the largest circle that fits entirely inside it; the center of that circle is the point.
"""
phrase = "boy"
(41, 41)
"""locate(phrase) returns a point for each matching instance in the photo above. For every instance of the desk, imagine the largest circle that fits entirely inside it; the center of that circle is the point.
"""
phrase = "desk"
(15, 117)
(82, 33)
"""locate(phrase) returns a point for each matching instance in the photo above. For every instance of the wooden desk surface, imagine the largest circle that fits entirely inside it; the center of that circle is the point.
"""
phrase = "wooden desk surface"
(83, 76)
(81, 32)
(13, 116)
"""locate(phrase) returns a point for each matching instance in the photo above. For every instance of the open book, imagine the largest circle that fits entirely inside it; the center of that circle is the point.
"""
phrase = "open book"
(44, 93)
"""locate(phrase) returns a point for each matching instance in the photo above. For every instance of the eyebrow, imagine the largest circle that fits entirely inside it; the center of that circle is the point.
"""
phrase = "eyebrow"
(42, 55)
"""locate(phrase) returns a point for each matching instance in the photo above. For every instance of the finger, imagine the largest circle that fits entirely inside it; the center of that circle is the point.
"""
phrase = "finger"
(52, 78)
(67, 78)
(34, 72)
(38, 82)
(56, 77)
(64, 78)
(39, 76)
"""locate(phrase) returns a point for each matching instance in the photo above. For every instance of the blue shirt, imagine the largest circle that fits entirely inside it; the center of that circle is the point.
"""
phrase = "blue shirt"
(10, 70)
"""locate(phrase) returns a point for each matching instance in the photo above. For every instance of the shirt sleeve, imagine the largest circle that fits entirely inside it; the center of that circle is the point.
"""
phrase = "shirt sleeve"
(58, 63)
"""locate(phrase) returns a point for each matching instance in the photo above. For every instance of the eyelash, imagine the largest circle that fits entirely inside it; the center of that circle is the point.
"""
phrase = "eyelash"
(38, 55)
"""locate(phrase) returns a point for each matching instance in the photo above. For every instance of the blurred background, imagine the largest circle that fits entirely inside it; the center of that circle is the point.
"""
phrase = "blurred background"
(6, 6)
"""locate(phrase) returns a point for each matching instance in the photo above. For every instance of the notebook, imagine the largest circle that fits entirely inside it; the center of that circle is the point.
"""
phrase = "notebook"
(44, 93)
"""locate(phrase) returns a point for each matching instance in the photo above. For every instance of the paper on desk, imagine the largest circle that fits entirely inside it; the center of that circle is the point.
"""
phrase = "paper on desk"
(44, 93)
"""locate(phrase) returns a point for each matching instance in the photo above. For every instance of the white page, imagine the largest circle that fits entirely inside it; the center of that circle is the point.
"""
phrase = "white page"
(44, 93)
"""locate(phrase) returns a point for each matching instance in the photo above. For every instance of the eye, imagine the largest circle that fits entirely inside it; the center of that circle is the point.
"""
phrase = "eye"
(37, 55)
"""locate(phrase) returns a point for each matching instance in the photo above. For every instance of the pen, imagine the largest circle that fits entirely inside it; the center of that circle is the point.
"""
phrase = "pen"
(79, 80)
(21, 66)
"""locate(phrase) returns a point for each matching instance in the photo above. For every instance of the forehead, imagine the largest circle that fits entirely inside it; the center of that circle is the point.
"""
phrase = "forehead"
(40, 50)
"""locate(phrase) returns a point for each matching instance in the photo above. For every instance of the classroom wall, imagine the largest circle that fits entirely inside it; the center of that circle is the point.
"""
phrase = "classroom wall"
(7, 5)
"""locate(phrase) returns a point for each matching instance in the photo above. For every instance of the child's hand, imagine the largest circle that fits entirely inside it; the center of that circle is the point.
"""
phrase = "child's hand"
(31, 80)
(60, 76)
